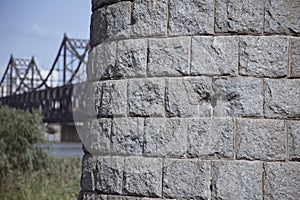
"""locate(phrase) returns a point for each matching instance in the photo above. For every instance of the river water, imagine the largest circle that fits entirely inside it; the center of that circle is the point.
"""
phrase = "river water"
(66, 149)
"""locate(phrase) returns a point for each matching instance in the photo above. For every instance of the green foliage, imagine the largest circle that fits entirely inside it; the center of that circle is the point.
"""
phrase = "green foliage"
(21, 141)
(60, 180)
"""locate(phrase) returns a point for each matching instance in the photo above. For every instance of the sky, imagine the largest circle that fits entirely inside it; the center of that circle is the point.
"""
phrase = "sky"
(36, 28)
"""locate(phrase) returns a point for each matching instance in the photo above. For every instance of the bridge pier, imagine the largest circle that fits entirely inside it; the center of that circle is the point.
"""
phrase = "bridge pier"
(62, 132)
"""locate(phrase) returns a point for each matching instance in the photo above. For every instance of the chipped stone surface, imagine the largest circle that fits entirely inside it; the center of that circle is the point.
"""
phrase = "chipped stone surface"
(127, 136)
(104, 61)
(131, 58)
(237, 97)
(282, 180)
(109, 174)
(99, 132)
(149, 18)
(239, 16)
(282, 98)
(295, 57)
(214, 55)
(186, 179)
(169, 57)
(237, 180)
(294, 140)
(142, 176)
(146, 97)
(282, 16)
(165, 137)
(188, 97)
(259, 139)
(112, 22)
(88, 169)
(264, 56)
(191, 17)
(210, 137)
(113, 99)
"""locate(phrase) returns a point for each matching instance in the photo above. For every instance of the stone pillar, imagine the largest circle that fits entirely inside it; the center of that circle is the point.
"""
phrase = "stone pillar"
(194, 99)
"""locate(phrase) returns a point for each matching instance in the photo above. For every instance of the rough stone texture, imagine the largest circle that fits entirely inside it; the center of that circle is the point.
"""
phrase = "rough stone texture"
(188, 97)
(142, 176)
(91, 196)
(295, 57)
(169, 57)
(264, 56)
(113, 99)
(214, 56)
(146, 97)
(282, 98)
(259, 139)
(237, 180)
(127, 136)
(237, 97)
(104, 61)
(87, 176)
(131, 58)
(282, 16)
(282, 180)
(294, 140)
(189, 17)
(165, 137)
(100, 132)
(100, 3)
(186, 179)
(109, 174)
(112, 22)
(210, 137)
(113, 197)
(149, 18)
(239, 16)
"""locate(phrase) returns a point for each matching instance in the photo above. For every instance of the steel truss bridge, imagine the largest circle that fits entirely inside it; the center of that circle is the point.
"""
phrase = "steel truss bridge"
(26, 86)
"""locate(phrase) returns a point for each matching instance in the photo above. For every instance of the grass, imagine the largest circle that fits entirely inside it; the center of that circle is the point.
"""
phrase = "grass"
(60, 180)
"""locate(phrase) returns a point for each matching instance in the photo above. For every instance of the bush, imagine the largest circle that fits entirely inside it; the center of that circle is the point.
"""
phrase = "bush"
(21, 141)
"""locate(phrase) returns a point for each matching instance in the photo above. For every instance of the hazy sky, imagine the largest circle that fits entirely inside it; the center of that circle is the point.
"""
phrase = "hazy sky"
(36, 27)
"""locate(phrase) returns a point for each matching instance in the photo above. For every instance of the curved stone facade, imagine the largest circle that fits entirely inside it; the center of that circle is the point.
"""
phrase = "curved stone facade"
(193, 99)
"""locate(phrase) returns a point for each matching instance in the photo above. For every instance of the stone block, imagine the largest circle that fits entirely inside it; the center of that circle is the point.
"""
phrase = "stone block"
(165, 137)
(104, 61)
(282, 16)
(90, 68)
(149, 18)
(169, 57)
(188, 179)
(146, 97)
(191, 17)
(188, 97)
(131, 58)
(111, 22)
(294, 140)
(259, 139)
(214, 55)
(100, 3)
(239, 16)
(264, 56)
(142, 176)
(210, 137)
(88, 169)
(99, 137)
(114, 197)
(295, 57)
(282, 98)
(282, 180)
(127, 136)
(91, 196)
(113, 99)
(237, 180)
(237, 97)
(109, 174)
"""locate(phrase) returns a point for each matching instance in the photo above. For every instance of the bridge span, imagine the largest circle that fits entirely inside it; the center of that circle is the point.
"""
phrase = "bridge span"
(26, 86)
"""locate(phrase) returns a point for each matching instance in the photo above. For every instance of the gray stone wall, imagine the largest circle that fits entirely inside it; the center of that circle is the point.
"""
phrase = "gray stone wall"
(193, 99)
